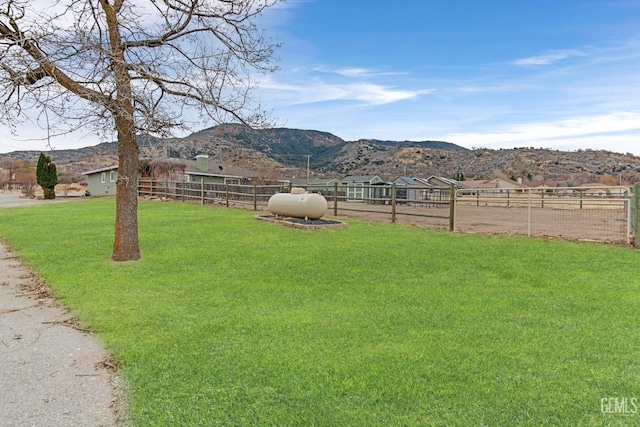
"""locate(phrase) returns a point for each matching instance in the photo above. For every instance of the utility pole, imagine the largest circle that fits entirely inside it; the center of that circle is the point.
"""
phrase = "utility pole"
(308, 158)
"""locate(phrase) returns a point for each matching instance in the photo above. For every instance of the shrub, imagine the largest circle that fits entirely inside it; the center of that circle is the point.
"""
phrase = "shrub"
(47, 176)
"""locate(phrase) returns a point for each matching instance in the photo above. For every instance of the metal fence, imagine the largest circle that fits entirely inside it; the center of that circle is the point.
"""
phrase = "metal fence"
(601, 214)
(419, 205)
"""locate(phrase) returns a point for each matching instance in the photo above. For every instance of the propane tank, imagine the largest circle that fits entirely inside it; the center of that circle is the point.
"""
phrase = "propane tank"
(298, 204)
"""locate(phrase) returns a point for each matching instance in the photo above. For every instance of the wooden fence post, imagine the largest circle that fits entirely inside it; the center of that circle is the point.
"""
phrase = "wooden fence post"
(452, 207)
(335, 198)
(529, 213)
(636, 214)
(226, 191)
(393, 202)
(202, 191)
(255, 198)
(581, 195)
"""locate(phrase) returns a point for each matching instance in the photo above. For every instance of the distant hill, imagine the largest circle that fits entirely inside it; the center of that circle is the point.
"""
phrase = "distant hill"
(287, 146)
(280, 152)
(438, 145)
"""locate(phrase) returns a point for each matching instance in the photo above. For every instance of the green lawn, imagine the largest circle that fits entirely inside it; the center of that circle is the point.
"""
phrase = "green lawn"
(231, 321)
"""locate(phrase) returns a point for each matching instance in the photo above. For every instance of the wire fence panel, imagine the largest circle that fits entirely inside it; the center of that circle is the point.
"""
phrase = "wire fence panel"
(599, 214)
(389, 202)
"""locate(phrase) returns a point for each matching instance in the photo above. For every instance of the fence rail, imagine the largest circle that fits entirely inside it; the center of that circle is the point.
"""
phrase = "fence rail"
(600, 214)
(209, 193)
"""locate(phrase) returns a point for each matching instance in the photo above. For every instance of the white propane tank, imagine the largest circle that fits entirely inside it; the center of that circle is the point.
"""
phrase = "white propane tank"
(298, 204)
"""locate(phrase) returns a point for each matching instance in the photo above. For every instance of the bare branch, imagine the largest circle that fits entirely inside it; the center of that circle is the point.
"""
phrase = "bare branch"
(164, 57)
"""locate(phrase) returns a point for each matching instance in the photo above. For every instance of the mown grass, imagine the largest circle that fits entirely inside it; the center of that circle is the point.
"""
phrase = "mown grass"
(231, 321)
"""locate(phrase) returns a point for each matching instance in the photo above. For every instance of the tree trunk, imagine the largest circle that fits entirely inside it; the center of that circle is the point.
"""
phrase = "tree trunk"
(125, 246)
(49, 193)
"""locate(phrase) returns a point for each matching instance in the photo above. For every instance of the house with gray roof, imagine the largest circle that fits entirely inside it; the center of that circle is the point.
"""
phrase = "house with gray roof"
(102, 182)
(324, 186)
(440, 181)
(408, 189)
(360, 187)
(496, 184)
(203, 170)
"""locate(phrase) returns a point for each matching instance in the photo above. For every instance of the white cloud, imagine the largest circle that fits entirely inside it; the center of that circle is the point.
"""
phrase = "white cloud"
(549, 57)
(618, 129)
(319, 91)
(353, 72)
(33, 138)
(378, 95)
(363, 72)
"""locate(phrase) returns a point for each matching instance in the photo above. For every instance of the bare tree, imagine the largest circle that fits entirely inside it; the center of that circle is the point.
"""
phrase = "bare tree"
(28, 182)
(133, 67)
(11, 166)
(166, 169)
(65, 184)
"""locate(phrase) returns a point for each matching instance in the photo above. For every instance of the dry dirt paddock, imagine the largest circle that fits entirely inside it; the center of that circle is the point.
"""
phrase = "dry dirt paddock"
(601, 224)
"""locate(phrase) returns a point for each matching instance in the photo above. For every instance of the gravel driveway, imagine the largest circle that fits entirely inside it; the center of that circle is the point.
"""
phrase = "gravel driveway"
(11, 200)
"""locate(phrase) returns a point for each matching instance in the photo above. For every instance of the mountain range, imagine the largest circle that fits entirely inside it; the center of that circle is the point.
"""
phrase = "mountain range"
(283, 152)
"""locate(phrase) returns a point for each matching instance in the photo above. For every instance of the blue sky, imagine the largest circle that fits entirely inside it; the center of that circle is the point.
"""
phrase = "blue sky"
(496, 74)
(559, 74)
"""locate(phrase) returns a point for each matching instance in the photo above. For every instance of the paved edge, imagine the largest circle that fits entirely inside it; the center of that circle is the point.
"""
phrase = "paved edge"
(52, 372)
